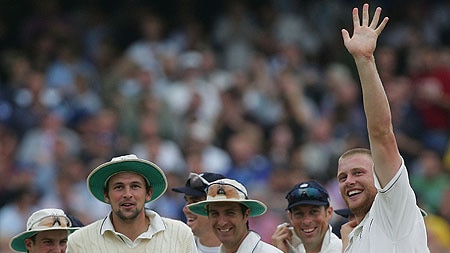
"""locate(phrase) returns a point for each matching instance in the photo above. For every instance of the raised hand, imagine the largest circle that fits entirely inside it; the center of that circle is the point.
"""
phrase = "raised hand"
(363, 41)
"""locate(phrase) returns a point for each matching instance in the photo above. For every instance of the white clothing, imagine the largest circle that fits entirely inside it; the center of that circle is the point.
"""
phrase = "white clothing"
(394, 223)
(205, 249)
(330, 244)
(253, 243)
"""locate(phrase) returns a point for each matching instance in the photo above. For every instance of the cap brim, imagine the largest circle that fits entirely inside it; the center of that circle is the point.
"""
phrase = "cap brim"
(257, 208)
(189, 191)
(308, 202)
(345, 212)
(17, 243)
(150, 171)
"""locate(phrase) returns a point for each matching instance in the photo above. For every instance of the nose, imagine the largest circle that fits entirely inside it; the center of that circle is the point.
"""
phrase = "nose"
(221, 220)
(127, 193)
(350, 180)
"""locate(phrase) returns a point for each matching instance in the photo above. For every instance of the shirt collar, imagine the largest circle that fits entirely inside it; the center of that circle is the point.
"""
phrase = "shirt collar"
(156, 225)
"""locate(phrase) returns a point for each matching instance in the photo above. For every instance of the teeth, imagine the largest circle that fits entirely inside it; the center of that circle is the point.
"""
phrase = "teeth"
(224, 230)
(351, 193)
(308, 230)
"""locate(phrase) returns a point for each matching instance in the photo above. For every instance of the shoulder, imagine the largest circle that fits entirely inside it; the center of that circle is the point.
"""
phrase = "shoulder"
(172, 223)
(95, 226)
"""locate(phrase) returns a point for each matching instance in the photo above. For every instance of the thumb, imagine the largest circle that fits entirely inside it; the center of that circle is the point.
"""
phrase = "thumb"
(345, 35)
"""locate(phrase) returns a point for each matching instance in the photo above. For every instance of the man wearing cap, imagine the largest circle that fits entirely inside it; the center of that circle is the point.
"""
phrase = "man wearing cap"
(374, 183)
(194, 191)
(228, 209)
(310, 213)
(47, 231)
(126, 183)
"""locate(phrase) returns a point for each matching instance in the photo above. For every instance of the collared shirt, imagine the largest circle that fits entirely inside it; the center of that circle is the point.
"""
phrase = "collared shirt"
(253, 243)
(394, 223)
(330, 244)
(163, 233)
(156, 225)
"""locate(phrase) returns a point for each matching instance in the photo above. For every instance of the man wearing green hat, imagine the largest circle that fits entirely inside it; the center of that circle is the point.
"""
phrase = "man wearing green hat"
(47, 231)
(126, 183)
(228, 209)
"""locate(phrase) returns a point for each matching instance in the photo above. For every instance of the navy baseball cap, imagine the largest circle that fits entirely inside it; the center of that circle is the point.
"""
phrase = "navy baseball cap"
(344, 212)
(197, 183)
(308, 193)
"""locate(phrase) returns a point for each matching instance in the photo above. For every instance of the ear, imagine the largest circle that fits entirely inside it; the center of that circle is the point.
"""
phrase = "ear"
(149, 195)
(247, 213)
(105, 195)
(28, 243)
(329, 212)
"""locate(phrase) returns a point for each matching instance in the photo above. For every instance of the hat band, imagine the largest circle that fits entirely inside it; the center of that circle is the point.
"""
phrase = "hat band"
(225, 191)
(54, 221)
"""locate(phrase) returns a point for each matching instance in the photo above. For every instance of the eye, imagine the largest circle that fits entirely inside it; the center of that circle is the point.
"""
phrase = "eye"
(118, 187)
(342, 178)
(136, 186)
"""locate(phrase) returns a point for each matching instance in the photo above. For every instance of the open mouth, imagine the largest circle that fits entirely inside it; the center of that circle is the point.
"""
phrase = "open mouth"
(224, 230)
(308, 230)
(128, 205)
(353, 193)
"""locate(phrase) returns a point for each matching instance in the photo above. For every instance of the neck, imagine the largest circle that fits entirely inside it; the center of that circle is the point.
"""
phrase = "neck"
(131, 228)
(209, 240)
(232, 248)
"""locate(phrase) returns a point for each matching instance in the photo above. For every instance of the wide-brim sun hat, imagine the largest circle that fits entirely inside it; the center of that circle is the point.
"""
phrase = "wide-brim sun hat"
(99, 177)
(228, 190)
(43, 220)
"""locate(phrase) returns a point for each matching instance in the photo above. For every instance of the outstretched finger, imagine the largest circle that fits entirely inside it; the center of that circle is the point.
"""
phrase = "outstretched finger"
(365, 15)
(376, 18)
(356, 22)
(381, 27)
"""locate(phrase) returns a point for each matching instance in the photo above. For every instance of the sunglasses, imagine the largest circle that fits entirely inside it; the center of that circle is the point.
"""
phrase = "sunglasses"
(51, 221)
(197, 181)
(306, 194)
(228, 190)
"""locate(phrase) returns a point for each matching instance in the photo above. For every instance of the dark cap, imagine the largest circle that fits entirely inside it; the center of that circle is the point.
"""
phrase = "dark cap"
(197, 183)
(345, 212)
(308, 193)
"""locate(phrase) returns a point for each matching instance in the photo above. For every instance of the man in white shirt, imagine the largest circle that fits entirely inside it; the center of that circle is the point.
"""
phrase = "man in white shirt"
(374, 183)
(126, 183)
(310, 213)
(228, 209)
(194, 191)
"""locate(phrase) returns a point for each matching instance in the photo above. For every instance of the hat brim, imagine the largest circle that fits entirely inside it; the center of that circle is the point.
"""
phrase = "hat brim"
(256, 207)
(97, 179)
(308, 202)
(17, 243)
(345, 212)
(189, 191)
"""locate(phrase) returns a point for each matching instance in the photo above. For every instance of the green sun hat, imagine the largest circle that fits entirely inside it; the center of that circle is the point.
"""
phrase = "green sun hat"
(42, 220)
(228, 190)
(99, 177)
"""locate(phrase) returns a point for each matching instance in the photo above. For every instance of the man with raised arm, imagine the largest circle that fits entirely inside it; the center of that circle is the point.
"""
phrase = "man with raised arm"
(374, 183)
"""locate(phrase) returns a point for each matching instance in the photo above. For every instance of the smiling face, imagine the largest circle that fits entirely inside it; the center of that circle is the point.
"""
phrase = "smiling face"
(229, 223)
(199, 224)
(52, 241)
(311, 224)
(356, 183)
(127, 195)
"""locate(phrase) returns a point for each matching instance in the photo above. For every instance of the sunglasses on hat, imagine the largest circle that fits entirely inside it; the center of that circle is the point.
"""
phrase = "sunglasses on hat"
(50, 222)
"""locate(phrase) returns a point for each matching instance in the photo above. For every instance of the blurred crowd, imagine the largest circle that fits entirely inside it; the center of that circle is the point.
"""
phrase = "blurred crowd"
(263, 92)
